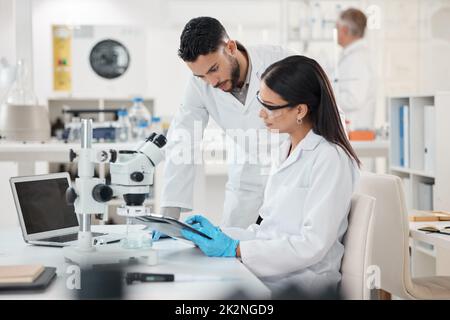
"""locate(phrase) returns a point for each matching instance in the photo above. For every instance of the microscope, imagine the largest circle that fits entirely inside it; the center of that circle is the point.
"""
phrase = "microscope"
(132, 174)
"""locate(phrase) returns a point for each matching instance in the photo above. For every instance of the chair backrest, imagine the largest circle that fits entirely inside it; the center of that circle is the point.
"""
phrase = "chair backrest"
(358, 248)
(391, 234)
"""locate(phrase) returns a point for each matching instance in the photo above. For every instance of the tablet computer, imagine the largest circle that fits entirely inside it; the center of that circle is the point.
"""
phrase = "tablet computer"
(168, 225)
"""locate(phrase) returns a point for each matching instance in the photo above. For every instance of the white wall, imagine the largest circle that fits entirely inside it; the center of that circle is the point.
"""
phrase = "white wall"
(15, 42)
(7, 43)
(163, 20)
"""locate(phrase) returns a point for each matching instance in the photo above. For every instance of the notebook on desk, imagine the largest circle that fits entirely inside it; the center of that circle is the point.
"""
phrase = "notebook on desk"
(20, 273)
(26, 277)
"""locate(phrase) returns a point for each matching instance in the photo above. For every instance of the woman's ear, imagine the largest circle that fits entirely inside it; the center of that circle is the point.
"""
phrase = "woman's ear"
(302, 110)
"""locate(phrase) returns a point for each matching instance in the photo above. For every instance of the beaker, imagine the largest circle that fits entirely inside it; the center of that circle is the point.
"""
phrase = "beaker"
(136, 238)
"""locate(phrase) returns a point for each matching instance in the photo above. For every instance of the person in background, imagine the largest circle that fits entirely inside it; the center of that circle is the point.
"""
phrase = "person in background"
(355, 84)
(308, 193)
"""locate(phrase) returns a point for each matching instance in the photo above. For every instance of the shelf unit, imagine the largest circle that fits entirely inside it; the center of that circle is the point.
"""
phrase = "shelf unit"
(415, 172)
(55, 106)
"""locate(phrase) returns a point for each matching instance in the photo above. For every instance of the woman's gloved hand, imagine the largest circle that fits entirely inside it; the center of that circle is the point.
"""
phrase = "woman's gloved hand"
(156, 235)
(220, 245)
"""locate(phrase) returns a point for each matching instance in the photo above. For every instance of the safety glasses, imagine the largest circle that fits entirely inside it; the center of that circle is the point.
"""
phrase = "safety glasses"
(273, 111)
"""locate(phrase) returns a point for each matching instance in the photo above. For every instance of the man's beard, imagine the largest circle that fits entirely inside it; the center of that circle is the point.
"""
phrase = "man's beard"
(235, 72)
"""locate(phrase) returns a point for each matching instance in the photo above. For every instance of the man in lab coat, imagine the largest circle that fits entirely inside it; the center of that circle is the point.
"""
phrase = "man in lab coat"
(225, 80)
(355, 84)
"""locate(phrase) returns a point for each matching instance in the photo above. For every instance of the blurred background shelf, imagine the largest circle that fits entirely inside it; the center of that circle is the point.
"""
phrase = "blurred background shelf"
(420, 152)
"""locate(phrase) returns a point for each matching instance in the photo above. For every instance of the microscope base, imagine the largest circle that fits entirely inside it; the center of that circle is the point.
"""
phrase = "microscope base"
(109, 254)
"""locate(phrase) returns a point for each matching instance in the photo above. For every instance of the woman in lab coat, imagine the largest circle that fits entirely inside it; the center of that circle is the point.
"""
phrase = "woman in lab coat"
(307, 197)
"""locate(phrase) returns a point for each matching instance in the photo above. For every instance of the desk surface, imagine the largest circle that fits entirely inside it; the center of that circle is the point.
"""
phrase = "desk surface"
(174, 257)
(440, 240)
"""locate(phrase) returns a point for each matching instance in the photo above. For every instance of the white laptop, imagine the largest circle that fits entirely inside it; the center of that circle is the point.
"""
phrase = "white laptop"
(44, 215)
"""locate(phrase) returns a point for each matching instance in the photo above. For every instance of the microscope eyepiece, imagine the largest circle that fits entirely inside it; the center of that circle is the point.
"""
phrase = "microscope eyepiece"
(160, 140)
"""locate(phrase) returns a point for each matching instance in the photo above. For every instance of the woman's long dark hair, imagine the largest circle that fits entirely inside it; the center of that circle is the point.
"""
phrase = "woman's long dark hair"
(301, 80)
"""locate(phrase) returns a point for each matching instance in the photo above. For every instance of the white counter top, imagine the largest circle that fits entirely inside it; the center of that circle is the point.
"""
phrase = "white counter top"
(174, 257)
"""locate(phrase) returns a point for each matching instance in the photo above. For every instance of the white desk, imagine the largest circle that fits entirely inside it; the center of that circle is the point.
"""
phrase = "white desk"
(174, 257)
(430, 252)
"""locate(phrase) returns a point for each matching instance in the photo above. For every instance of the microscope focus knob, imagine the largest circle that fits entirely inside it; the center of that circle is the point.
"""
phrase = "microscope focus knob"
(113, 154)
(151, 137)
(137, 176)
(72, 155)
(102, 193)
(71, 195)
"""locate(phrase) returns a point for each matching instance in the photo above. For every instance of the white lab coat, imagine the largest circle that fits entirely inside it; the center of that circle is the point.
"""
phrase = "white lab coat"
(305, 209)
(245, 186)
(355, 86)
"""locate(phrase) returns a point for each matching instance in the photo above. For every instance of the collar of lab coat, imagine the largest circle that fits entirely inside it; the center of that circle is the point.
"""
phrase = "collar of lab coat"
(249, 70)
(309, 142)
(355, 46)
(257, 64)
(257, 70)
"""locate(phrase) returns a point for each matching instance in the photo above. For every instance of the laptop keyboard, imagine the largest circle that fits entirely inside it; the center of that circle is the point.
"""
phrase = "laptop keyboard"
(69, 237)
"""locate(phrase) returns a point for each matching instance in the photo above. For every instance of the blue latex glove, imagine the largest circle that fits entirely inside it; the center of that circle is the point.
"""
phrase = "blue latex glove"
(220, 245)
(156, 235)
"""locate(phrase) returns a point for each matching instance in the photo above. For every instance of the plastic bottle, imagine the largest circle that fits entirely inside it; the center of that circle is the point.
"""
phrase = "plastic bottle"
(74, 129)
(124, 126)
(142, 130)
(140, 119)
(157, 125)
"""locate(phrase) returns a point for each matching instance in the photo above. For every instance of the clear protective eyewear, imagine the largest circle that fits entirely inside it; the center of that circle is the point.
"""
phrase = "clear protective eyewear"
(273, 111)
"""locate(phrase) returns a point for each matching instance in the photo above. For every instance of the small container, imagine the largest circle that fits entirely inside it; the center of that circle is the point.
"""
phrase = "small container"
(138, 116)
(124, 127)
(136, 239)
(157, 125)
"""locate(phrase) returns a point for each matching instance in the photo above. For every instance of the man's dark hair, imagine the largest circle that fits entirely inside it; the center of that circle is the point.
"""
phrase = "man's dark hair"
(201, 36)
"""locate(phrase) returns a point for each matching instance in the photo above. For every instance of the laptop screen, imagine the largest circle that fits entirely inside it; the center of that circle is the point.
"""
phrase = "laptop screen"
(44, 207)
